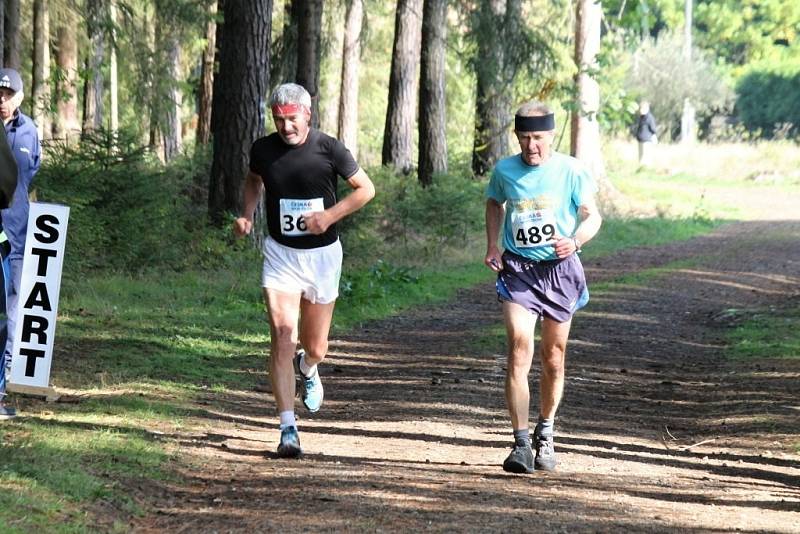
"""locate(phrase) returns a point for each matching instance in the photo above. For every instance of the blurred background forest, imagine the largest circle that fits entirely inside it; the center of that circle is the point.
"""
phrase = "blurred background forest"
(147, 108)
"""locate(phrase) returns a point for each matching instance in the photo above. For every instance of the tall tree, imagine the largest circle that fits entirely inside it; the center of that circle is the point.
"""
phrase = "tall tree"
(40, 94)
(432, 130)
(113, 74)
(12, 43)
(309, 52)
(585, 131)
(333, 20)
(348, 95)
(66, 124)
(495, 22)
(2, 29)
(284, 48)
(398, 134)
(171, 128)
(206, 88)
(239, 99)
(688, 133)
(93, 83)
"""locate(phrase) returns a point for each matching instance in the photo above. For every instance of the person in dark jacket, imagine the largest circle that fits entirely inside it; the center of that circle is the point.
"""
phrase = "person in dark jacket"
(23, 140)
(645, 132)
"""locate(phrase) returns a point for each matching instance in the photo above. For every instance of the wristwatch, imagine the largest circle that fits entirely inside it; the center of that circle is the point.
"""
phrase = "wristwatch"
(577, 243)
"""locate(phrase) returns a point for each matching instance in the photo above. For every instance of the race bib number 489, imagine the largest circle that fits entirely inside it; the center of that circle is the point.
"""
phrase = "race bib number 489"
(533, 228)
(293, 213)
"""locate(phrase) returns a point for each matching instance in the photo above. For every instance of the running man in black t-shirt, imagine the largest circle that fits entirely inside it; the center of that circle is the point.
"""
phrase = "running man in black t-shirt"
(297, 170)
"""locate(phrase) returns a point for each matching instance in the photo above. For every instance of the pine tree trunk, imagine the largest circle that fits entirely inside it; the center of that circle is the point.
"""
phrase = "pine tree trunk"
(2, 30)
(113, 81)
(40, 94)
(172, 123)
(493, 98)
(309, 31)
(67, 125)
(11, 37)
(93, 88)
(153, 65)
(239, 100)
(206, 89)
(333, 19)
(284, 56)
(348, 95)
(432, 105)
(398, 134)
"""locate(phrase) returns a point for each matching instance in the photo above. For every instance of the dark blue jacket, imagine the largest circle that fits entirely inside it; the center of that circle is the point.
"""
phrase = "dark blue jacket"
(24, 142)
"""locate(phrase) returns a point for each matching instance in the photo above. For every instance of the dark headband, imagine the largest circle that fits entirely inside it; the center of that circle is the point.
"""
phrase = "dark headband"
(542, 123)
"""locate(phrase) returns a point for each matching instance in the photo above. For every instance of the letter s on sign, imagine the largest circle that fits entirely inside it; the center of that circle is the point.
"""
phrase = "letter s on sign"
(49, 233)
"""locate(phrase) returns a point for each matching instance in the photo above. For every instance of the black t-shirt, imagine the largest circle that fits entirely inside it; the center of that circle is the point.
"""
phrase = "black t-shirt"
(293, 174)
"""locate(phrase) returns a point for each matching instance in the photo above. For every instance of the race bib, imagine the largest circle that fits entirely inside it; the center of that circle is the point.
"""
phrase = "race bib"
(533, 228)
(293, 211)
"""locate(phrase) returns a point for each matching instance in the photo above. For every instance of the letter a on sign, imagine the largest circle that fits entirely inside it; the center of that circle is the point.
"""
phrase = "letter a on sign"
(34, 331)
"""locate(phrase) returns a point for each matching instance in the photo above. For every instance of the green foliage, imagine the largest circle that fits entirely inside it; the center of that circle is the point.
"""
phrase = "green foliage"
(616, 100)
(768, 99)
(127, 211)
(745, 31)
(643, 18)
(406, 219)
(375, 282)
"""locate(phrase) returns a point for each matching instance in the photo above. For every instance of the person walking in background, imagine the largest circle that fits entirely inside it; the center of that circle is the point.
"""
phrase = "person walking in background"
(297, 170)
(645, 132)
(544, 201)
(23, 140)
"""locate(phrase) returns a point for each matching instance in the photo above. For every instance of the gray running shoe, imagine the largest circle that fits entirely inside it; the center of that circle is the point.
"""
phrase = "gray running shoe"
(545, 453)
(289, 446)
(521, 458)
(310, 386)
(7, 412)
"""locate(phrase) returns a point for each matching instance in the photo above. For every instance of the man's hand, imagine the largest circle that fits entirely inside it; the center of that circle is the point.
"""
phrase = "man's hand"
(493, 259)
(565, 246)
(317, 222)
(242, 226)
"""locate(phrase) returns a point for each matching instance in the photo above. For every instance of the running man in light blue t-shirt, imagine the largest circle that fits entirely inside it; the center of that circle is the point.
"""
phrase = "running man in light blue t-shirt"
(541, 202)
(545, 203)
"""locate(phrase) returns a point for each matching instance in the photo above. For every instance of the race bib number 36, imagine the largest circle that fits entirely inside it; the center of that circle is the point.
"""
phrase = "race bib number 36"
(533, 228)
(293, 211)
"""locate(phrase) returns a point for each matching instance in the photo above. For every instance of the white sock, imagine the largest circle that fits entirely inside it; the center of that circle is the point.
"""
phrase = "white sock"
(305, 369)
(287, 419)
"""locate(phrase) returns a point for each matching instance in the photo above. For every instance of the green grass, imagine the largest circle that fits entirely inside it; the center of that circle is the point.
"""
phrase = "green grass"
(769, 334)
(54, 465)
(620, 234)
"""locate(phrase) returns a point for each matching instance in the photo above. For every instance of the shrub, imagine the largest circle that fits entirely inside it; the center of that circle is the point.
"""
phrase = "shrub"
(768, 100)
(662, 75)
(405, 220)
(128, 212)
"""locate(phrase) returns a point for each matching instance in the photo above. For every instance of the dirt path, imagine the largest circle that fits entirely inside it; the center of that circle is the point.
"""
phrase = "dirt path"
(414, 427)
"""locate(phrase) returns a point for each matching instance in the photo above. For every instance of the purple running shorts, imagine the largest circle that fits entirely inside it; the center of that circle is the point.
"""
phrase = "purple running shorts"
(555, 289)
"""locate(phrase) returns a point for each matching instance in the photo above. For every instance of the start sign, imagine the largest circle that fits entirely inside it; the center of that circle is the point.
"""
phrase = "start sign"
(38, 295)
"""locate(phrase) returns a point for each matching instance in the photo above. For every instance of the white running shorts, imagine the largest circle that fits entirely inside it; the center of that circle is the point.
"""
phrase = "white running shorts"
(313, 272)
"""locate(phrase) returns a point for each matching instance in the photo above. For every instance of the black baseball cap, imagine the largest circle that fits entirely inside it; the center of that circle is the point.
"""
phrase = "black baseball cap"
(9, 78)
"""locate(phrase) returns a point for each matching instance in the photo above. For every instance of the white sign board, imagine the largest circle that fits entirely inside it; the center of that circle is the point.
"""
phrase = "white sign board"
(38, 296)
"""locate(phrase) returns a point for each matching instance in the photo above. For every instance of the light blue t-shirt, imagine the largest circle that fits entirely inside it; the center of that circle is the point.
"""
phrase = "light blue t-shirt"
(541, 202)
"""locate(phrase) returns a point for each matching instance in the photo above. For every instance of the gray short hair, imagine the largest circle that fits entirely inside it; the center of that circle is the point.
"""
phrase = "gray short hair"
(534, 108)
(290, 93)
